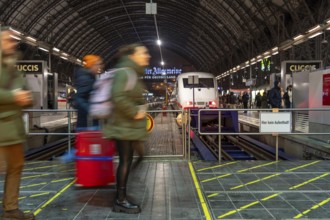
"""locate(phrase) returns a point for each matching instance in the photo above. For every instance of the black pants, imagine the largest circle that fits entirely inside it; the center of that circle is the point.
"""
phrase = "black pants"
(125, 150)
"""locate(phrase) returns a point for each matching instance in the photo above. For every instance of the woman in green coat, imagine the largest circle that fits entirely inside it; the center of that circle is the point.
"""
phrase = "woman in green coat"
(127, 125)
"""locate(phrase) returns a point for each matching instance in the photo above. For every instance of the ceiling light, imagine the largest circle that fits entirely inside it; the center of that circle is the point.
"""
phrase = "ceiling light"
(31, 39)
(316, 34)
(314, 28)
(159, 42)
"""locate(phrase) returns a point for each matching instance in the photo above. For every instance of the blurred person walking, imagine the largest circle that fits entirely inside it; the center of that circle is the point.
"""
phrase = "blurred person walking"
(127, 124)
(12, 132)
(84, 81)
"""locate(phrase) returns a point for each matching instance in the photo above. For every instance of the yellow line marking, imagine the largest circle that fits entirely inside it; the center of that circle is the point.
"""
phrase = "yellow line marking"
(200, 193)
(217, 166)
(313, 207)
(40, 194)
(34, 162)
(32, 185)
(270, 197)
(302, 166)
(267, 198)
(255, 181)
(239, 209)
(60, 180)
(38, 168)
(53, 198)
(255, 167)
(217, 177)
(308, 181)
(197, 161)
(212, 195)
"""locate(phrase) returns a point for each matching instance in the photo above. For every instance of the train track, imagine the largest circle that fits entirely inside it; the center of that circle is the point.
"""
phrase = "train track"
(236, 148)
(49, 151)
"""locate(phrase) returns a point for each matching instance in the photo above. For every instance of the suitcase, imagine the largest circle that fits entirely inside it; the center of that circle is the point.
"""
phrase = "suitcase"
(94, 159)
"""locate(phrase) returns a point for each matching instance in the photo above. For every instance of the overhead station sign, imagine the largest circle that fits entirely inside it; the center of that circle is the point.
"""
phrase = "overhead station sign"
(275, 122)
(161, 73)
(30, 66)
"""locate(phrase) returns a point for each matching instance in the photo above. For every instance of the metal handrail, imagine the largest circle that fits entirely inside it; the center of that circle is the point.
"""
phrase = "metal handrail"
(219, 133)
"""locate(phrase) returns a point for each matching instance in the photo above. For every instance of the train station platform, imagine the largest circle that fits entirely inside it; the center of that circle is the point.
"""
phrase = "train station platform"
(177, 189)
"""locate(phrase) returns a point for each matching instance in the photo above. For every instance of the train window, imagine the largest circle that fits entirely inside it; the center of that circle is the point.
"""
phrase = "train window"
(203, 83)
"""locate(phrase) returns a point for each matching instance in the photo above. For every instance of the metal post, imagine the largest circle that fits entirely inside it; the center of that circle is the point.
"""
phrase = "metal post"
(276, 147)
(219, 137)
(69, 131)
(184, 142)
(188, 135)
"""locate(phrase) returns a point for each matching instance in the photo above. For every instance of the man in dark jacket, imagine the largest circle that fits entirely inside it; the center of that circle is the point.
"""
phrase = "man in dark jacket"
(12, 132)
(84, 80)
(275, 97)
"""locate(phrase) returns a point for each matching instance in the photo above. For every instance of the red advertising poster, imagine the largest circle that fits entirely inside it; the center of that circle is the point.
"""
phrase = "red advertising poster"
(326, 89)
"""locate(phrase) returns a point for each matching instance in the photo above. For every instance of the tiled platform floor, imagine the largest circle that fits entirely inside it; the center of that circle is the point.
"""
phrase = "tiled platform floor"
(168, 189)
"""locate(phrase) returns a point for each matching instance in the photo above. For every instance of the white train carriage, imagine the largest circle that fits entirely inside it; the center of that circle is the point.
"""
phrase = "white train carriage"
(201, 95)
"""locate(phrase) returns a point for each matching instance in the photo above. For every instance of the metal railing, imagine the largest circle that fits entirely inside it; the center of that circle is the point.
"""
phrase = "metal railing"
(276, 134)
(168, 122)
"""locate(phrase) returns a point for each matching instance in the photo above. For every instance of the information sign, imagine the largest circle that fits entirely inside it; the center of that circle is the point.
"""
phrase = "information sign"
(275, 122)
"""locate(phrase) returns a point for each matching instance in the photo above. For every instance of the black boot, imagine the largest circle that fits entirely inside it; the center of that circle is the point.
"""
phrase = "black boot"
(122, 205)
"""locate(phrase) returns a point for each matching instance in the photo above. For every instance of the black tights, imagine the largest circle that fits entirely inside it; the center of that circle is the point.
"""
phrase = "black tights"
(125, 151)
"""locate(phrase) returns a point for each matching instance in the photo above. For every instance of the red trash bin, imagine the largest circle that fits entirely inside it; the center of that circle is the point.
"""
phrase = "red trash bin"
(94, 159)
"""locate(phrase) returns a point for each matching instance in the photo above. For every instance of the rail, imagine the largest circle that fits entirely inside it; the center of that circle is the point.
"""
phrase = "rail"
(70, 127)
(287, 129)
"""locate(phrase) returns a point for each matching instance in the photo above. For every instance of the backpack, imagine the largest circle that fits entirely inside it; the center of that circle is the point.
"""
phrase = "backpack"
(100, 98)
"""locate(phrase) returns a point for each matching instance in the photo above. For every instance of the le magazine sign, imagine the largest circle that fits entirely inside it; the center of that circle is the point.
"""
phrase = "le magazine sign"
(275, 122)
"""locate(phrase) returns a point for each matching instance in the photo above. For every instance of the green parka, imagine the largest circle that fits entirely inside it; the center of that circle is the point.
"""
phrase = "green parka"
(11, 123)
(122, 125)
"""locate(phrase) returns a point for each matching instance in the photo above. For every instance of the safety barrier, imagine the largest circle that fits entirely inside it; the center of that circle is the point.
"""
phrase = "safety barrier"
(165, 123)
(271, 121)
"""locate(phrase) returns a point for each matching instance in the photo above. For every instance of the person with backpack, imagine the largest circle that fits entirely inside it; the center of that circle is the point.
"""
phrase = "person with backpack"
(287, 97)
(84, 81)
(127, 123)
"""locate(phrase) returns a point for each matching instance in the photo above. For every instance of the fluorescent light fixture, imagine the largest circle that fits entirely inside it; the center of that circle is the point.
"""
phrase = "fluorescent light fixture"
(267, 56)
(259, 56)
(267, 52)
(298, 37)
(64, 54)
(274, 53)
(298, 42)
(328, 21)
(259, 60)
(31, 39)
(56, 49)
(286, 47)
(15, 37)
(252, 59)
(13, 30)
(64, 58)
(78, 60)
(316, 34)
(44, 49)
(314, 28)
(328, 28)
(275, 48)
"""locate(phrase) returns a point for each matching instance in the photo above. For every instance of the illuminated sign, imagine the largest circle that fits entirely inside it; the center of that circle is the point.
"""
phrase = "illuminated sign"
(29, 66)
(161, 73)
(299, 67)
(265, 64)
